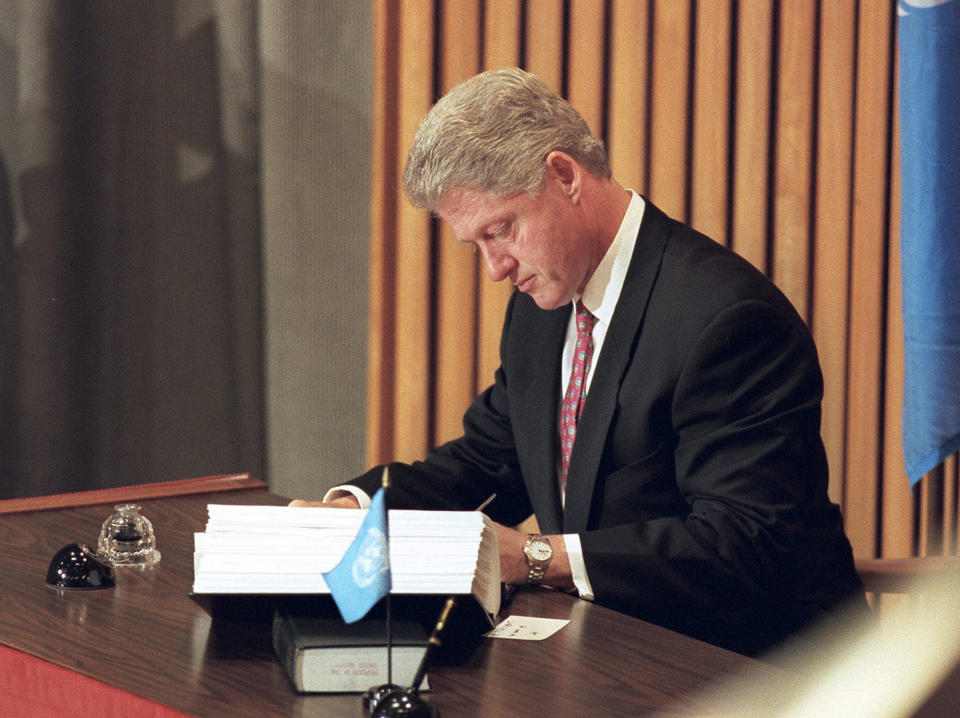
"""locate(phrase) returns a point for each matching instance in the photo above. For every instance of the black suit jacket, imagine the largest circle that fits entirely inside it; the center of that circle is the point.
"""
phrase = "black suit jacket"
(698, 481)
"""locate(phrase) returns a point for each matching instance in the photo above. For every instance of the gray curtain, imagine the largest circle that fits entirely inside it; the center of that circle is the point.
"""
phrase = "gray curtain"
(131, 339)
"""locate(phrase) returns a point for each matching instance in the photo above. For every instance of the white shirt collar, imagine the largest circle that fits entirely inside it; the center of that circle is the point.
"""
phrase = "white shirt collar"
(604, 286)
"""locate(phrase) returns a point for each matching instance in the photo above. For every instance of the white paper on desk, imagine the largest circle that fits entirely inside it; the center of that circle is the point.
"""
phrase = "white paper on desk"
(527, 628)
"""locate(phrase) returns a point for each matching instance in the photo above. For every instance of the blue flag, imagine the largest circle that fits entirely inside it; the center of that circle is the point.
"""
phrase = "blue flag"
(363, 575)
(929, 32)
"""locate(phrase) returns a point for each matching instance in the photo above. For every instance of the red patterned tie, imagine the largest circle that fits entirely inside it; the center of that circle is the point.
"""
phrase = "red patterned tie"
(573, 398)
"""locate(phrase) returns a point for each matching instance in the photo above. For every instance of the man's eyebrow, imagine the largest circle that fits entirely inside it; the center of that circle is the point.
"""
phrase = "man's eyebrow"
(483, 230)
(499, 223)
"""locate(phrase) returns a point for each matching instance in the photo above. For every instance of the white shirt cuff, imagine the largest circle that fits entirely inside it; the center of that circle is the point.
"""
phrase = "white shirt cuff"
(578, 568)
(338, 491)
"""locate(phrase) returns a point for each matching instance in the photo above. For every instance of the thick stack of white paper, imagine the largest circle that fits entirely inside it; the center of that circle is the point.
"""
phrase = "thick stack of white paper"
(286, 549)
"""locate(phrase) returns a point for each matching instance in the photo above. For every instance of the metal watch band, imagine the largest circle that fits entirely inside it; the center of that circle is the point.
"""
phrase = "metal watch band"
(536, 572)
(537, 568)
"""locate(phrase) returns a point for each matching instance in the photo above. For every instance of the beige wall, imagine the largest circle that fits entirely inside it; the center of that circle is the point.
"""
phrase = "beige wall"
(316, 67)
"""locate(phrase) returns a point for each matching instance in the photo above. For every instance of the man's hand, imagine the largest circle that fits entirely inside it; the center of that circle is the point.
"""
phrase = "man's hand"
(346, 501)
(513, 562)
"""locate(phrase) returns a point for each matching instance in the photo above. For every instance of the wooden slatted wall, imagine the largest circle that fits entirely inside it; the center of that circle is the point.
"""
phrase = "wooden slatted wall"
(768, 125)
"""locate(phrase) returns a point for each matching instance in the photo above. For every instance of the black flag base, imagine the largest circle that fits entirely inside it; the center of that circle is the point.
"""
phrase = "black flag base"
(372, 698)
(390, 701)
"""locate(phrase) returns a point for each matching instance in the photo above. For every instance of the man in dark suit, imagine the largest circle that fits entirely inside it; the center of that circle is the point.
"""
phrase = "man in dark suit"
(695, 491)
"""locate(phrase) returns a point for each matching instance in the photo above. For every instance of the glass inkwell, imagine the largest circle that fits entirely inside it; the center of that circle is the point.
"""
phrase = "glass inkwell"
(127, 538)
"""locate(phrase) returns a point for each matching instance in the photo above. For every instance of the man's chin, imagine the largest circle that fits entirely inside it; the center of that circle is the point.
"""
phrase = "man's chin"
(549, 302)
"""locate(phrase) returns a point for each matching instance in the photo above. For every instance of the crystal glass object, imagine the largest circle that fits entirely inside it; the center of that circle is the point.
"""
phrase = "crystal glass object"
(127, 538)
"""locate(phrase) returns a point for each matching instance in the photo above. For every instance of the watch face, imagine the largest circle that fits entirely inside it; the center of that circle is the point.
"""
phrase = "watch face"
(539, 550)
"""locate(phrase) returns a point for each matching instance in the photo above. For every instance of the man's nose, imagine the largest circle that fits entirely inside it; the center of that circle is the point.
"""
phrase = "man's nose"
(498, 263)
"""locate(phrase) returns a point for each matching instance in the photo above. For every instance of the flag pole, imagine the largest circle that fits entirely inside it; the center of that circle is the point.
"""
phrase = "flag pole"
(386, 485)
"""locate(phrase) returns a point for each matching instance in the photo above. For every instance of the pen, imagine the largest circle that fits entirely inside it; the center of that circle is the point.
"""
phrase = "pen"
(433, 644)
(486, 503)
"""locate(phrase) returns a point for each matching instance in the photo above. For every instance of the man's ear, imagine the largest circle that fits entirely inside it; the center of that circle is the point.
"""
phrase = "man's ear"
(565, 170)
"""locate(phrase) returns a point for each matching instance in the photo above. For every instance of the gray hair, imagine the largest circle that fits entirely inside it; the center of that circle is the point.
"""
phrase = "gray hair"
(493, 133)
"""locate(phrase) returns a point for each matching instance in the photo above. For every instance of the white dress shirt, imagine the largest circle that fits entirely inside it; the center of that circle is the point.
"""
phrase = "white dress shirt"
(600, 296)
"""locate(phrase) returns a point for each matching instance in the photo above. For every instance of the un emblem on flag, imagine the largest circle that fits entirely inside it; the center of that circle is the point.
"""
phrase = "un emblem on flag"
(372, 559)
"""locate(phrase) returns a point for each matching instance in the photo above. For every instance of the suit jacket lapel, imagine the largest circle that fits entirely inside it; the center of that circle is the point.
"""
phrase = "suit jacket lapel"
(601, 401)
(536, 416)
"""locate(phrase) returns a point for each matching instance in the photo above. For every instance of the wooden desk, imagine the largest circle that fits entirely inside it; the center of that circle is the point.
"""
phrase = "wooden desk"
(147, 637)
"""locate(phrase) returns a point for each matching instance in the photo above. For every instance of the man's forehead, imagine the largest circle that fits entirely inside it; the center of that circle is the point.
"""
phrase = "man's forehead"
(456, 198)
(468, 210)
(467, 203)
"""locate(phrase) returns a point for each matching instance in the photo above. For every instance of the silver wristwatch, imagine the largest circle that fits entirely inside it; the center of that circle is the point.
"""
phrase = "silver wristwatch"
(538, 551)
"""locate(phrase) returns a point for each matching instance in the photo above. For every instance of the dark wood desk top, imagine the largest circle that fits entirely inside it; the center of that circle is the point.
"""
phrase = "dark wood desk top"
(146, 636)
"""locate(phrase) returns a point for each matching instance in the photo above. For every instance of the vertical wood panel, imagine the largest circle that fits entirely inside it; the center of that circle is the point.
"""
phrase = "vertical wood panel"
(794, 137)
(629, 63)
(544, 42)
(929, 528)
(669, 111)
(710, 158)
(380, 347)
(868, 275)
(457, 276)
(413, 281)
(896, 511)
(752, 131)
(832, 223)
(501, 48)
(501, 33)
(951, 470)
(586, 61)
